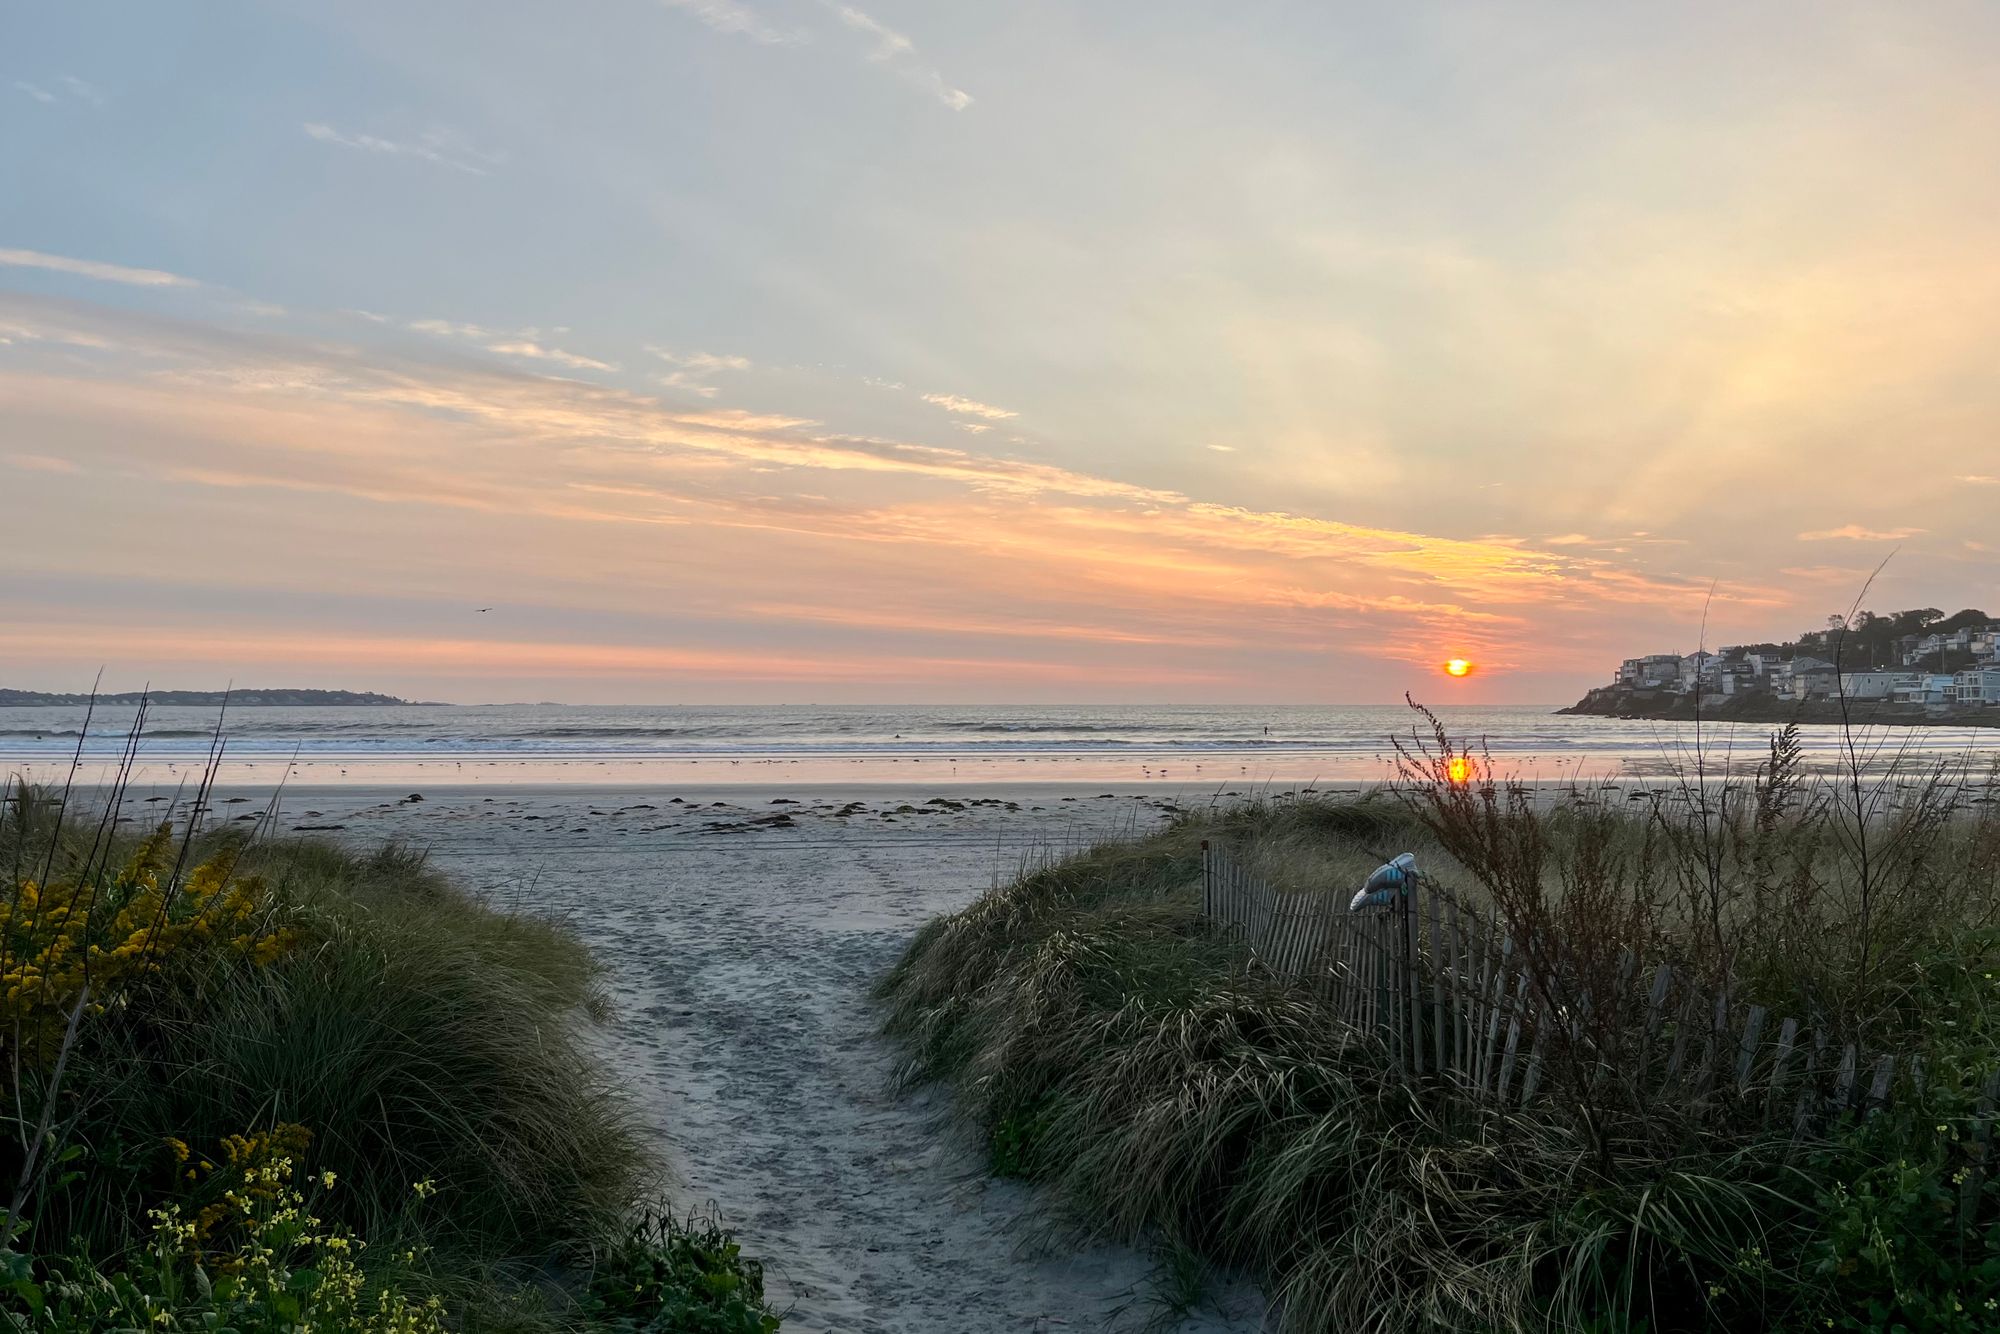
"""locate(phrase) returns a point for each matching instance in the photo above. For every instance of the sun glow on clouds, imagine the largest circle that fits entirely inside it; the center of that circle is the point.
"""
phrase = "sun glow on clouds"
(740, 512)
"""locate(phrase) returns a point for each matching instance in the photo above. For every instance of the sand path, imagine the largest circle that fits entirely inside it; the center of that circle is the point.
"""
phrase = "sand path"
(741, 957)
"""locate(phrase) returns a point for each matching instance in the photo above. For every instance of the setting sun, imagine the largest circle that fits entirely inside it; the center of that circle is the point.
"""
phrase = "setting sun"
(1458, 667)
(1459, 769)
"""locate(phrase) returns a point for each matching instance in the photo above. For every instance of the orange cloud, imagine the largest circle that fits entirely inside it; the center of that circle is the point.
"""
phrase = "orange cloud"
(576, 495)
(1854, 532)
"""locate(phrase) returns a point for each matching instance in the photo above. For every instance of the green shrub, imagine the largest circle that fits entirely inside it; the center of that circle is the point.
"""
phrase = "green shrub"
(418, 1034)
(1906, 1232)
(258, 1262)
(414, 1034)
(672, 1275)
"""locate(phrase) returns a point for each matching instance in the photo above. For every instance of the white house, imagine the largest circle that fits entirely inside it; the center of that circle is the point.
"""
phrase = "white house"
(1931, 689)
(1877, 685)
(1979, 686)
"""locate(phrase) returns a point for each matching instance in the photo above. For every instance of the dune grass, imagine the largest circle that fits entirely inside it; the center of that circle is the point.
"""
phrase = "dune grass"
(1164, 1088)
(365, 1044)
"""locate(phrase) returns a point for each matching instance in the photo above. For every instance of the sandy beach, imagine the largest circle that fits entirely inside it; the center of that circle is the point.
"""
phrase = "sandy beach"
(742, 929)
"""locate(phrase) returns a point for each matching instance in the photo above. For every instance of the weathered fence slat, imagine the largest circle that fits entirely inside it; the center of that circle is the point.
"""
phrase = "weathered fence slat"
(1843, 1087)
(1681, 1032)
(1399, 1017)
(1499, 970)
(1513, 1034)
(1753, 1027)
(1787, 1033)
(1713, 1047)
(1982, 1149)
(1469, 995)
(1350, 976)
(1438, 968)
(1453, 979)
(1413, 1011)
(1878, 1088)
(1532, 1079)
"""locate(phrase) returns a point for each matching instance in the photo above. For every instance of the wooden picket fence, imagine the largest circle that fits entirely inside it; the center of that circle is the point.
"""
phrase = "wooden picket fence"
(1450, 995)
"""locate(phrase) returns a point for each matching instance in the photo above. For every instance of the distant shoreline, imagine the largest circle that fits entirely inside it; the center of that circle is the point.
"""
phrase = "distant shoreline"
(1657, 706)
(246, 699)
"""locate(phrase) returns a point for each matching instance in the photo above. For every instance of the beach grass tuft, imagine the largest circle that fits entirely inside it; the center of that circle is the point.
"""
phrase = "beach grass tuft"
(1164, 1087)
(363, 1046)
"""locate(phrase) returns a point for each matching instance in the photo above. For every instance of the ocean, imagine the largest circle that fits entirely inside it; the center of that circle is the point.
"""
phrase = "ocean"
(1176, 745)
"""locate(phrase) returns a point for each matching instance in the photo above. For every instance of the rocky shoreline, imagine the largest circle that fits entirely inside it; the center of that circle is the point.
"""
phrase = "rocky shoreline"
(1673, 706)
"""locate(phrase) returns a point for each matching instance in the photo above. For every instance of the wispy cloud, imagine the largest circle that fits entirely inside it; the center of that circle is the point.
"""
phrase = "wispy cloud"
(442, 328)
(68, 88)
(445, 148)
(969, 407)
(524, 347)
(897, 52)
(692, 370)
(42, 463)
(1978, 479)
(737, 19)
(506, 342)
(90, 268)
(1854, 532)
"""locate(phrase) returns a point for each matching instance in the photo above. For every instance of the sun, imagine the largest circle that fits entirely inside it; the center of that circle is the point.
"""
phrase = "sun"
(1458, 667)
(1459, 769)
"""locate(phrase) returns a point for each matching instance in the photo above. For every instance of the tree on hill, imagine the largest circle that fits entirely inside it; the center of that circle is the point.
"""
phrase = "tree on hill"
(1867, 640)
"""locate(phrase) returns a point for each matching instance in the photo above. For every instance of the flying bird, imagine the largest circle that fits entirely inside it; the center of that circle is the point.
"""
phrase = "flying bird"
(482, 609)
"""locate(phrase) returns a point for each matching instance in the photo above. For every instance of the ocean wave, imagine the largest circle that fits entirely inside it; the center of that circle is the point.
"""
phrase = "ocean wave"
(1128, 734)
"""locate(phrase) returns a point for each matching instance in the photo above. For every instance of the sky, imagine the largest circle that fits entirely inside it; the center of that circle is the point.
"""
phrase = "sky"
(786, 350)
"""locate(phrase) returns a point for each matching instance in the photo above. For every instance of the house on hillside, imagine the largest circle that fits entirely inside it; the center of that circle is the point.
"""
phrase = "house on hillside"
(1933, 690)
(1650, 672)
(1878, 685)
(1979, 686)
(1696, 671)
(1812, 678)
(1737, 677)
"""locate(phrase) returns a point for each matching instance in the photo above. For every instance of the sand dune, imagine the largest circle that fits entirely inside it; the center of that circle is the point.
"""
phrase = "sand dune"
(743, 929)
